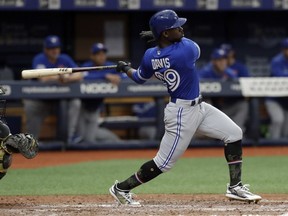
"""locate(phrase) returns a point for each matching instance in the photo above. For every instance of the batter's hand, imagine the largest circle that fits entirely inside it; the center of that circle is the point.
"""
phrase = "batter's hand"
(123, 66)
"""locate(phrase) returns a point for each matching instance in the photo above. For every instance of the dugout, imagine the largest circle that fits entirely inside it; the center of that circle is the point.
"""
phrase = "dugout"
(255, 39)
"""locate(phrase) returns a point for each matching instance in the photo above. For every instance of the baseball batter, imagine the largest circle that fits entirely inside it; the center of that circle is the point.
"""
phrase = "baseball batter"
(173, 62)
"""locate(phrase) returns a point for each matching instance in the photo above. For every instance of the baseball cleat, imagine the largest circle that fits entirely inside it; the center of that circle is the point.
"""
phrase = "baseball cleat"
(242, 193)
(122, 197)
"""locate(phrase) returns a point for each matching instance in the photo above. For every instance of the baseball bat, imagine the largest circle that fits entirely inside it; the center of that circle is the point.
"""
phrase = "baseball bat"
(37, 73)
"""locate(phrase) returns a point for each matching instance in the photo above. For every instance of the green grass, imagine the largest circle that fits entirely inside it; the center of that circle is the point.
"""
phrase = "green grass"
(193, 175)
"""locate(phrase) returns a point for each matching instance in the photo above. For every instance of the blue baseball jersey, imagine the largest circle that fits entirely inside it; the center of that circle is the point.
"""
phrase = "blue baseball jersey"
(279, 66)
(208, 72)
(240, 69)
(63, 60)
(99, 74)
(175, 66)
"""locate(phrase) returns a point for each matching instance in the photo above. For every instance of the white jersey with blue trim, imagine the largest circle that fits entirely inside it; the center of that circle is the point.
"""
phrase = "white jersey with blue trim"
(175, 66)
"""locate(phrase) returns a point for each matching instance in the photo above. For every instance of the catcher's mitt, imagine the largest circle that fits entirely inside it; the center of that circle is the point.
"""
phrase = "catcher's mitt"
(23, 143)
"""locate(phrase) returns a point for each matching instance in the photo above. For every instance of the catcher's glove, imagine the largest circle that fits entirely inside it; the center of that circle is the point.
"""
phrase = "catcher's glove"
(23, 143)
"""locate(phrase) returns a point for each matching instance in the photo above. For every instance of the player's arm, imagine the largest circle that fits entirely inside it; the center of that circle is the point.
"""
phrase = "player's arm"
(54, 78)
(139, 75)
(277, 69)
(68, 78)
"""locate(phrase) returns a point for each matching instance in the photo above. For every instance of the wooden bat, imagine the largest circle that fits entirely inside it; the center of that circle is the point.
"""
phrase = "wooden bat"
(36, 73)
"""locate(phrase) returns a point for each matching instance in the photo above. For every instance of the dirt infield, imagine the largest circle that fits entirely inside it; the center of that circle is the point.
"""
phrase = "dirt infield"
(150, 205)
(154, 204)
(66, 157)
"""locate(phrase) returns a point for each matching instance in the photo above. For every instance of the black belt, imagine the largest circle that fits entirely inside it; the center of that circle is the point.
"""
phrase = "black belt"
(193, 102)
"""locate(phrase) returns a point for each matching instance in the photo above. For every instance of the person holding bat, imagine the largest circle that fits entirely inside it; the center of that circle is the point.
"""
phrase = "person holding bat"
(37, 110)
(172, 61)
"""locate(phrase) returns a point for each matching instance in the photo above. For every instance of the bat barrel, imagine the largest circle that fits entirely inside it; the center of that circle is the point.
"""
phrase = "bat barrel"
(37, 73)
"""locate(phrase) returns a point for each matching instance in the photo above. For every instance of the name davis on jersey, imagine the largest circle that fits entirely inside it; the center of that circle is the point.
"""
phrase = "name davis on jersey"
(160, 63)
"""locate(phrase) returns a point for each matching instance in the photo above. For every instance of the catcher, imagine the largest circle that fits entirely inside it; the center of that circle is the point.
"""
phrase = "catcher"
(21, 143)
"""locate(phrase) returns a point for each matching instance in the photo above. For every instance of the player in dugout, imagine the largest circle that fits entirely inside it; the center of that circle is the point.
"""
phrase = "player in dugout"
(173, 62)
(89, 121)
(277, 107)
(37, 110)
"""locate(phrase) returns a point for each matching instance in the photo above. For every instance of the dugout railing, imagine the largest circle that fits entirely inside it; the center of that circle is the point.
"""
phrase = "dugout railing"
(18, 90)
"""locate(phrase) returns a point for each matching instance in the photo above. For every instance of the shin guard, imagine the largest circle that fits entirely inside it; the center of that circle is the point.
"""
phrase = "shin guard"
(233, 155)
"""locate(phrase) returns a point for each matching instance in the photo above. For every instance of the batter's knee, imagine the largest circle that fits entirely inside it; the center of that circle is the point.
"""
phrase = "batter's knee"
(163, 165)
(235, 135)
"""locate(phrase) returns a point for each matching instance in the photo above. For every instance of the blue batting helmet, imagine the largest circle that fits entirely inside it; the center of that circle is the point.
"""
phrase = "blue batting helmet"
(163, 20)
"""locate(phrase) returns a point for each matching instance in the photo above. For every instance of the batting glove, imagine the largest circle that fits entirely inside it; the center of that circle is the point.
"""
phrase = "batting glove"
(123, 66)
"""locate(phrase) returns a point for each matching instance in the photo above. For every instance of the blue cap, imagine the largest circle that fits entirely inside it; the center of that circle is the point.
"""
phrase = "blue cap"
(284, 43)
(227, 47)
(97, 47)
(218, 53)
(52, 41)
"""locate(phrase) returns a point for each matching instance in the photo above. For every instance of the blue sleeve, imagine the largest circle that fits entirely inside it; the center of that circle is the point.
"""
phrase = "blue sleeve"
(196, 51)
(230, 73)
(36, 61)
(205, 73)
(70, 61)
(192, 50)
(277, 69)
(242, 69)
(145, 71)
(136, 77)
(244, 72)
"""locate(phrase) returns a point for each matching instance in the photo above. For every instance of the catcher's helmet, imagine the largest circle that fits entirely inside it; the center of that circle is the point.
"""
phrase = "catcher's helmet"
(163, 20)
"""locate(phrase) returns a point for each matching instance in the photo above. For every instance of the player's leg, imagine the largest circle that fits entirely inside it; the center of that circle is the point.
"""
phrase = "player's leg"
(82, 124)
(238, 112)
(218, 125)
(181, 123)
(147, 132)
(180, 126)
(36, 111)
(74, 108)
(276, 115)
(89, 123)
(285, 124)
